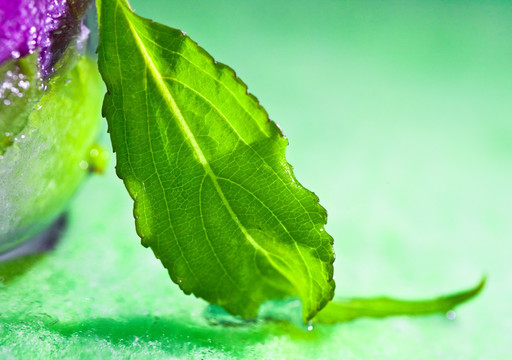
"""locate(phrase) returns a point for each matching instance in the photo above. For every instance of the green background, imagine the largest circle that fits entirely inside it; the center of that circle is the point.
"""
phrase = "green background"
(399, 116)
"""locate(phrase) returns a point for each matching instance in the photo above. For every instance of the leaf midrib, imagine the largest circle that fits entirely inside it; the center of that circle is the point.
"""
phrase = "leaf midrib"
(220, 83)
(195, 147)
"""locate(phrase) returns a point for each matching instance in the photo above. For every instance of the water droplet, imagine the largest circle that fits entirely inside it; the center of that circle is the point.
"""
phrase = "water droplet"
(7, 102)
(216, 315)
(24, 84)
(451, 315)
(46, 319)
(15, 54)
(84, 165)
(94, 152)
(289, 310)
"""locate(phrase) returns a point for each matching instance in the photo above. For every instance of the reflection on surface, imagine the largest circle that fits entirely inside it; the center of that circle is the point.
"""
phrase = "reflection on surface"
(20, 259)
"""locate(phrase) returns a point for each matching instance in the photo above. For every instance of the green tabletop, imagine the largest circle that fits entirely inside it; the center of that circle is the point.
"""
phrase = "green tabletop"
(399, 116)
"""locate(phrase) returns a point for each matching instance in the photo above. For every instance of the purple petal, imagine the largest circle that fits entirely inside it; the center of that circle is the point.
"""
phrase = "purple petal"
(50, 25)
(20, 24)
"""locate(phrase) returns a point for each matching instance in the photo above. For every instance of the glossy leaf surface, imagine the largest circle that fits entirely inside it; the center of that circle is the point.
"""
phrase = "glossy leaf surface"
(214, 196)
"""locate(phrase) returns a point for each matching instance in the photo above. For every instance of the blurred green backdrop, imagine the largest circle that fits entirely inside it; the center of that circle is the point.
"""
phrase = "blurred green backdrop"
(399, 116)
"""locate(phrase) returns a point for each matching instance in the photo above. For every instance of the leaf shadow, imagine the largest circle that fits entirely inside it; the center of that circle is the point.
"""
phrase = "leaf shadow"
(180, 335)
(21, 259)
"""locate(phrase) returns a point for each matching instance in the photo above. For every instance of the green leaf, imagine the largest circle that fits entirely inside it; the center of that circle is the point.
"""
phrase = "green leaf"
(341, 311)
(214, 196)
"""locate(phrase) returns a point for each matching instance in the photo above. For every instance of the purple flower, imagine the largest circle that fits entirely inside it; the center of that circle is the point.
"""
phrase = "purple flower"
(48, 25)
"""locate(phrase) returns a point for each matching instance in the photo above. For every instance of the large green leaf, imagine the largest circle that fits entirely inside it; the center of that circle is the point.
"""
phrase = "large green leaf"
(214, 196)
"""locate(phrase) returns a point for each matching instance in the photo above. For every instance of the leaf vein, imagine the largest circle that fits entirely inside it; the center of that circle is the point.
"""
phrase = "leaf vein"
(189, 135)
(210, 76)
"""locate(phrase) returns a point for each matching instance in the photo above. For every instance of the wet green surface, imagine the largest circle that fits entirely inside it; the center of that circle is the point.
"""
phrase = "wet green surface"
(399, 118)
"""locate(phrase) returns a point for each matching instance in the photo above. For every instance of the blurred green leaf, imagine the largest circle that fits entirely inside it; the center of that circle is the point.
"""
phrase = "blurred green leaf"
(214, 196)
(351, 309)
